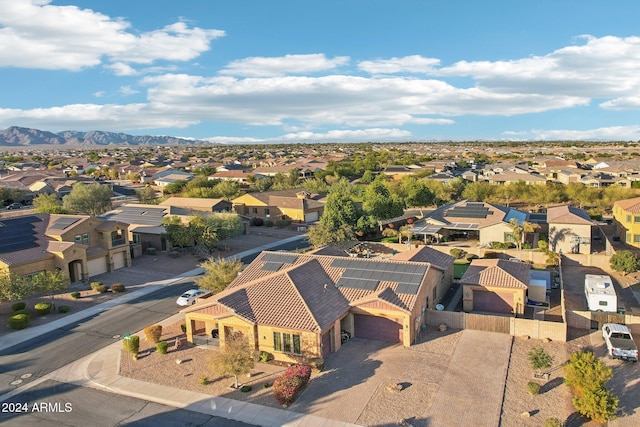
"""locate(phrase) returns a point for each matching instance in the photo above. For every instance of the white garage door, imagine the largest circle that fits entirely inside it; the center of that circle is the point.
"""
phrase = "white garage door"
(97, 266)
(118, 260)
(311, 217)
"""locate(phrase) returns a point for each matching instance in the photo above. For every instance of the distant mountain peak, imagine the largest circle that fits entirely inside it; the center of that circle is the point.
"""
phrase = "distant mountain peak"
(16, 136)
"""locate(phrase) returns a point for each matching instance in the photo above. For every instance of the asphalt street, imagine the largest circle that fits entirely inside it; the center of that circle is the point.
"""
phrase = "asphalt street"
(54, 404)
(35, 358)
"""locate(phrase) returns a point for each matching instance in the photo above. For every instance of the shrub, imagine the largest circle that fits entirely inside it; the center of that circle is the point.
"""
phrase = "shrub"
(543, 245)
(95, 285)
(64, 309)
(288, 385)
(75, 295)
(204, 380)
(457, 253)
(526, 246)
(118, 287)
(43, 308)
(266, 385)
(268, 223)
(540, 359)
(552, 422)
(317, 363)
(183, 326)
(153, 333)
(132, 345)
(258, 222)
(101, 289)
(282, 223)
(19, 321)
(17, 306)
(533, 387)
(265, 356)
(491, 255)
(471, 257)
(20, 312)
(162, 347)
(245, 388)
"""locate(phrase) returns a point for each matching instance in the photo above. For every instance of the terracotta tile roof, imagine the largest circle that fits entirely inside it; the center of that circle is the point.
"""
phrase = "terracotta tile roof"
(567, 215)
(438, 259)
(439, 216)
(497, 273)
(302, 294)
(629, 205)
(302, 297)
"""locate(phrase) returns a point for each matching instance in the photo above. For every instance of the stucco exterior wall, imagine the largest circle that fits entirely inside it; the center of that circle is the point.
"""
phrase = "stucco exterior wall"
(562, 237)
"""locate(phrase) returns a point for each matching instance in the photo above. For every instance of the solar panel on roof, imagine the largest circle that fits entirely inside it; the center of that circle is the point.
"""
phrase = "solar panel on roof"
(280, 257)
(271, 266)
(407, 288)
(62, 223)
(350, 283)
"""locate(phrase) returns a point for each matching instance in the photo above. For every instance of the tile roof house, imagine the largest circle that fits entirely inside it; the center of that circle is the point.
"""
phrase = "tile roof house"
(471, 220)
(495, 286)
(79, 245)
(299, 304)
(298, 205)
(626, 214)
(570, 229)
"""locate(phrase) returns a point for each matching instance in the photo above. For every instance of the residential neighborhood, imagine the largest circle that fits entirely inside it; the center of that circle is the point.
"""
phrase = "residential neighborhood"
(450, 248)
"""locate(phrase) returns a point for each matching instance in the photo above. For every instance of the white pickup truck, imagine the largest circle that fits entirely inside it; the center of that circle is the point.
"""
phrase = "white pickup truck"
(620, 344)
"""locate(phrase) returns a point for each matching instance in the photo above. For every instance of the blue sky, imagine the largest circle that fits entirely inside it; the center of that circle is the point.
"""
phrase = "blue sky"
(251, 71)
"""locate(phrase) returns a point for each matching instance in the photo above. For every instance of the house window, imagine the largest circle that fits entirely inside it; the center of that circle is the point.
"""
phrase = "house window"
(77, 238)
(85, 238)
(287, 343)
(254, 210)
(81, 238)
(266, 211)
(636, 238)
(628, 218)
(636, 219)
(117, 238)
(136, 238)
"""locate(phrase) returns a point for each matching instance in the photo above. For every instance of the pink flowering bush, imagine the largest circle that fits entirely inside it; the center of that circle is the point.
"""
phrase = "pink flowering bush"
(287, 386)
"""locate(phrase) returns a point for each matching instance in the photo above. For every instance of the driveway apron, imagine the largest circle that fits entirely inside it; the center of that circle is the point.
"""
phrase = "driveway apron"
(472, 390)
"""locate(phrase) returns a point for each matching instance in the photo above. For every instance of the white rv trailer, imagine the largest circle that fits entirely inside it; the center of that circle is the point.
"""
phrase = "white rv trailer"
(600, 294)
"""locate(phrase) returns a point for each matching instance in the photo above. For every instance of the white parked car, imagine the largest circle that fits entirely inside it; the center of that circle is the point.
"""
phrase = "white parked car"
(191, 296)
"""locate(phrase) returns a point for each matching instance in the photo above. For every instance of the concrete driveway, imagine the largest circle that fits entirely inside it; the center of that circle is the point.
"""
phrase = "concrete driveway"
(441, 377)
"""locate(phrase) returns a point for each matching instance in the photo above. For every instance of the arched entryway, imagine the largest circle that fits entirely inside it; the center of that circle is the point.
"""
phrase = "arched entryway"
(75, 271)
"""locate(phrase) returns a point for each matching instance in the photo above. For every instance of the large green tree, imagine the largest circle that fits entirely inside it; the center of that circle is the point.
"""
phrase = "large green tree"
(218, 274)
(90, 199)
(625, 262)
(340, 208)
(48, 203)
(380, 204)
(147, 195)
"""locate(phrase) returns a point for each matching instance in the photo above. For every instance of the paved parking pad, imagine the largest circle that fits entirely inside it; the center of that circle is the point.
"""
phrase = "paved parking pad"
(472, 390)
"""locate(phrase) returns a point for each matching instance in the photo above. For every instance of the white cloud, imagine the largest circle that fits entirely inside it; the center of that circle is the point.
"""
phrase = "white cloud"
(406, 64)
(352, 135)
(612, 133)
(99, 94)
(601, 68)
(284, 65)
(36, 34)
(127, 90)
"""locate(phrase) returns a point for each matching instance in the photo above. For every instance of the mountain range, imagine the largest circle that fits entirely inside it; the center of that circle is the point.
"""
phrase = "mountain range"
(15, 136)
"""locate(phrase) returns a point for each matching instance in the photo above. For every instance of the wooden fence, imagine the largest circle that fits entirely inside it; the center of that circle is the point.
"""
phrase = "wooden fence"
(539, 329)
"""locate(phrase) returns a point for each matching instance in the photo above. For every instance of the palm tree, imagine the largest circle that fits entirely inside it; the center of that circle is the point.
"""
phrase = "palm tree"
(519, 231)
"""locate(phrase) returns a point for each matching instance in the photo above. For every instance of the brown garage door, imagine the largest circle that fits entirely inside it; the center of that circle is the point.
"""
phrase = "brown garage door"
(376, 328)
(493, 302)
